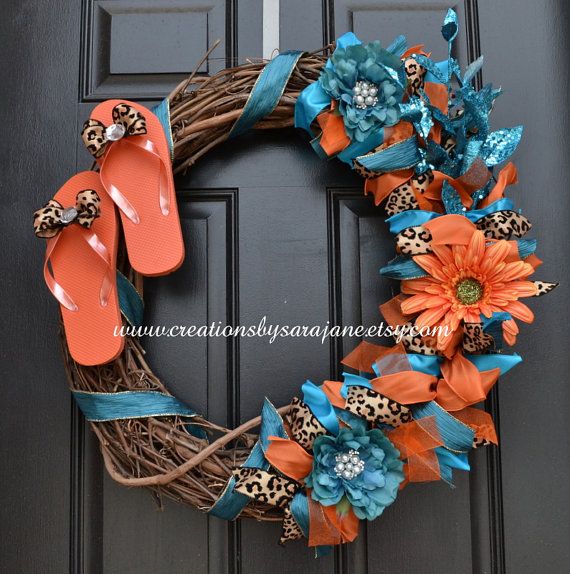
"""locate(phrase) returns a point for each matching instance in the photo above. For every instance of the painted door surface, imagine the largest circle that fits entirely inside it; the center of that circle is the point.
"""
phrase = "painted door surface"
(269, 230)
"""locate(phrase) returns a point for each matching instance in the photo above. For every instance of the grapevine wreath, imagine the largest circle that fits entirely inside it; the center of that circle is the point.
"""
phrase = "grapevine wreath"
(418, 132)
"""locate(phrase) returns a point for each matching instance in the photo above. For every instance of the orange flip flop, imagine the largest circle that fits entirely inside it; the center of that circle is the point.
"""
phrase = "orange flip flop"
(130, 146)
(81, 228)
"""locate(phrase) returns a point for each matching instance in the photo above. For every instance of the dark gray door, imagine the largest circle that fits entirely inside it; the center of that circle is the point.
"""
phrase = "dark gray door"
(270, 230)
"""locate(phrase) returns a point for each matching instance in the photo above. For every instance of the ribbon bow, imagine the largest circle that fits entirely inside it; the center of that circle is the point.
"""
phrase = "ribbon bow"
(127, 121)
(53, 217)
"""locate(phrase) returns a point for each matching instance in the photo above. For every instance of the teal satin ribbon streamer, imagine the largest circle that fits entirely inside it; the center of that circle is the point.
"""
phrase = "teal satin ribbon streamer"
(267, 91)
(100, 407)
(231, 503)
(162, 112)
(414, 217)
(448, 461)
(319, 404)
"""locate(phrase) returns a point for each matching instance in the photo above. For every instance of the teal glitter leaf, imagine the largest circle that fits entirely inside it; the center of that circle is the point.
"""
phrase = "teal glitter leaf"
(451, 200)
(500, 145)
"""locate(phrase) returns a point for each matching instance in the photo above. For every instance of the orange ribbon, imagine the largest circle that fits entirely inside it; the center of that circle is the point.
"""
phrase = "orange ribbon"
(416, 442)
(289, 457)
(328, 526)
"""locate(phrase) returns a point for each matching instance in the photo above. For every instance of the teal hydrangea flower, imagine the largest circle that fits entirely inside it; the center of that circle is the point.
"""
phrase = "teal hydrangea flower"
(372, 478)
(368, 83)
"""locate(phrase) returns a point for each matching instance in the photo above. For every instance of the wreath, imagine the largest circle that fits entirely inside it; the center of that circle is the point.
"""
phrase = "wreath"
(418, 132)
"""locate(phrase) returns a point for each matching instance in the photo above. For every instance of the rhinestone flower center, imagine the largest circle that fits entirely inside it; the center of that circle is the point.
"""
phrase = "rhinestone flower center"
(364, 95)
(348, 465)
(469, 291)
(68, 215)
(115, 132)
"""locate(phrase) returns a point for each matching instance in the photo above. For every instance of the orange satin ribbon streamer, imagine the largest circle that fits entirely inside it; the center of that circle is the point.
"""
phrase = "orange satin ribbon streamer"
(406, 387)
(416, 442)
(329, 527)
(332, 391)
(333, 137)
(289, 457)
(463, 384)
(450, 229)
(382, 186)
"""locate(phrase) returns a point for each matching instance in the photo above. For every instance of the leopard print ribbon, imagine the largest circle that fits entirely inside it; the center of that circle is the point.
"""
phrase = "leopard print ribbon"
(505, 224)
(127, 121)
(376, 408)
(303, 424)
(265, 486)
(53, 217)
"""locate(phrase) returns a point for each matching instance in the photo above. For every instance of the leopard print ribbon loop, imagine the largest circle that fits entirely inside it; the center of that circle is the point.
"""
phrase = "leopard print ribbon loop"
(127, 121)
(265, 486)
(505, 224)
(303, 424)
(53, 217)
(376, 408)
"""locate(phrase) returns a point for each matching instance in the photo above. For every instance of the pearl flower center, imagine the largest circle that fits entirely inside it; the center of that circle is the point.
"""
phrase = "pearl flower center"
(348, 465)
(469, 291)
(364, 95)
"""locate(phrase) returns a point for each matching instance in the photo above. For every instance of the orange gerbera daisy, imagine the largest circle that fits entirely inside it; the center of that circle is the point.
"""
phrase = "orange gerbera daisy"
(465, 282)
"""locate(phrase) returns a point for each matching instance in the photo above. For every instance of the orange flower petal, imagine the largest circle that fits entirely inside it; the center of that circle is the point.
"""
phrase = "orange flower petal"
(520, 311)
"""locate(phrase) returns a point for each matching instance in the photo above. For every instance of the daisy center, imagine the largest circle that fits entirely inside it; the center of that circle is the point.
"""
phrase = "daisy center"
(364, 95)
(469, 291)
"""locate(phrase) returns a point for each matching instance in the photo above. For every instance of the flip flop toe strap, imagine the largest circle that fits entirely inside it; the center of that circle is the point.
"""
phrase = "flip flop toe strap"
(150, 150)
(59, 292)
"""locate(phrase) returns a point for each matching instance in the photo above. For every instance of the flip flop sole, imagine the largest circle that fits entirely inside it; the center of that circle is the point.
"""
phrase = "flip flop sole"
(154, 244)
(90, 331)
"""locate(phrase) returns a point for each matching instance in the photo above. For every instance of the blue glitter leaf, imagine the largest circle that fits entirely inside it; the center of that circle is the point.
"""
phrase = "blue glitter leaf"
(472, 70)
(450, 27)
(500, 145)
(418, 113)
(451, 200)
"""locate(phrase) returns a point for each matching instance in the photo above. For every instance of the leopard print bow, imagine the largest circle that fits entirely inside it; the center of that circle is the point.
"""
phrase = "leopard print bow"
(127, 121)
(53, 217)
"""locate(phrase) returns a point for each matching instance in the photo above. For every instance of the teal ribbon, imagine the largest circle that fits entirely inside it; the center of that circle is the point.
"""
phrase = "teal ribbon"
(401, 155)
(317, 401)
(162, 112)
(402, 267)
(100, 407)
(130, 302)
(230, 503)
(267, 91)
(414, 217)
(456, 436)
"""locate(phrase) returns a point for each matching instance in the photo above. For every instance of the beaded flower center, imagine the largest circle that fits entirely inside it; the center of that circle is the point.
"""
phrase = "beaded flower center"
(364, 95)
(469, 291)
(348, 465)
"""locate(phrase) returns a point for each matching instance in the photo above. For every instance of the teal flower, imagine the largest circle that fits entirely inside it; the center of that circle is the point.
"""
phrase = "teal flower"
(357, 465)
(368, 83)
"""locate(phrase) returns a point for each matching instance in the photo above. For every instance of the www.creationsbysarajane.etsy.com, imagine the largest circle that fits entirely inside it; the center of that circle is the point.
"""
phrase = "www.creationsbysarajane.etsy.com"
(273, 332)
